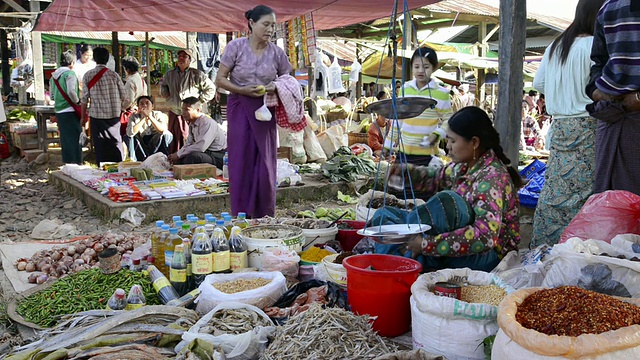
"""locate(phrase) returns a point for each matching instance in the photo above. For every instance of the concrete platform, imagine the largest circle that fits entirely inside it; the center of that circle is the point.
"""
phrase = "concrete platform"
(315, 189)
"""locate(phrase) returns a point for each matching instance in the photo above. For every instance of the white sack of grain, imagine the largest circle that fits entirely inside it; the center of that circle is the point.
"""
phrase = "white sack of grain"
(261, 297)
(448, 326)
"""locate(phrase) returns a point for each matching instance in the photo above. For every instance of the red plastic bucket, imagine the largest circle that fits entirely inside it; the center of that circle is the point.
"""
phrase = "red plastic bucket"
(380, 285)
(349, 238)
(4, 147)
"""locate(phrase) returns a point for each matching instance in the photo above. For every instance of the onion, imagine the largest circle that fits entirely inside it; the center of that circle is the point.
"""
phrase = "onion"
(32, 278)
(78, 261)
(92, 253)
(120, 249)
(57, 255)
(42, 263)
(71, 250)
(30, 267)
(81, 248)
(86, 259)
(98, 247)
(45, 268)
(61, 270)
(42, 278)
(22, 265)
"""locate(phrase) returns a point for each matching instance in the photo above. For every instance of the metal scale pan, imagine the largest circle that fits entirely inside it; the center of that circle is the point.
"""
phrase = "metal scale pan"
(406, 107)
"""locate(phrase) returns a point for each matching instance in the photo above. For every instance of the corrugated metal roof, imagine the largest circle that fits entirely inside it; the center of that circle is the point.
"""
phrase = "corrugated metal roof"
(176, 39)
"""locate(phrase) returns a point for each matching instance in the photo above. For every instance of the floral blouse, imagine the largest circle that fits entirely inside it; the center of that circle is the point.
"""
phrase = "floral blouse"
(489, 189)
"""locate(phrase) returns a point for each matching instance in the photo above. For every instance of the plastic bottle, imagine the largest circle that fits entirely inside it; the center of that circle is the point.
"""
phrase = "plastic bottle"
(185, 299)
(202, 261)
(117, 300)
(222, 214)
(172, 241)
(242, 221)
(185, 232)
(228, 224)
(211, 220)
(193, 222)
(225, 166)
(161, 284)
(238, 250)
(178, 225)
(136, 298)
(155, 238)
(189, 216)
(174, 219)
(221, 253)
(207, 215)
(186, 242)
(135, 265)
(208, 229)
(161, 263)
(220, 223)
(178, 277)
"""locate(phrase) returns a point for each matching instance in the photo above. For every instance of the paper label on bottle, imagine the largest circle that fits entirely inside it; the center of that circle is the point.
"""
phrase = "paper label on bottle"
(161, 283)
(202, 264)
(134, 306)
(189, 270)
(168, 258)
(221, 261)
(238, 260)
(178, 275)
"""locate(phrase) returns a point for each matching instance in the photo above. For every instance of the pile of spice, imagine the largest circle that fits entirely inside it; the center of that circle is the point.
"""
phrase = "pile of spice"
(572, 311)
(315, 254)
(240, 285)
(482, 294)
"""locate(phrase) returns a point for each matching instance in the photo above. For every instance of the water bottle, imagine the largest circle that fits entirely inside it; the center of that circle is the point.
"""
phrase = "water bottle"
(225, 166)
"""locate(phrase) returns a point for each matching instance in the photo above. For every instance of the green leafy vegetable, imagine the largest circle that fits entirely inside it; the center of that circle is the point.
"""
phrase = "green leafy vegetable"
(344, 166)
(346, 198)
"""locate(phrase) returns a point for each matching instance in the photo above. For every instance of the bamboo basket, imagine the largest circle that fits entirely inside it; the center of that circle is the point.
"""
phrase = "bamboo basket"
(358, 138)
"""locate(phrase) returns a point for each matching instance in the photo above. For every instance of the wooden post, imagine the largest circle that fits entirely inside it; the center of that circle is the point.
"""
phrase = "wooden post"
(146, 47)
(480, 79)
(6, 67)
(115, 49)
(38, 68)
(513, 19)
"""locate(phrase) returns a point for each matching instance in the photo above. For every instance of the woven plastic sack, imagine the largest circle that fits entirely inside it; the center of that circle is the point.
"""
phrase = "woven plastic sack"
(513, 341)
(448, 326)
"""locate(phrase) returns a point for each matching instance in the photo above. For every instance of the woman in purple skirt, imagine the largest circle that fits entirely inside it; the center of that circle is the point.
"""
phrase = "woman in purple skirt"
(247, 69)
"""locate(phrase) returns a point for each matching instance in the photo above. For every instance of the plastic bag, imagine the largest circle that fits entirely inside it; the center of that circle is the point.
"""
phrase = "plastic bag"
(247, 346)
(606, 215)
(335, 77)
(448, 326)
(133, 216)
(282, 260)
(263, 113)
(513, 341)
(411, 355)
(312, 146)
(83, 140)
(331, 140)
(261, 297)
(157, 162)
(524, 269)
(294, 140)
(577, 263)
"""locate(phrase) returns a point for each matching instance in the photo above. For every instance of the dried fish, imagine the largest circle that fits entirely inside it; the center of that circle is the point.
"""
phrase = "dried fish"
(233, 321)
(327, 333)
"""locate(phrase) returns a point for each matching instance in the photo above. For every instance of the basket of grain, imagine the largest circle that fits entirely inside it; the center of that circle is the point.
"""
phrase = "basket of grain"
(260, 289)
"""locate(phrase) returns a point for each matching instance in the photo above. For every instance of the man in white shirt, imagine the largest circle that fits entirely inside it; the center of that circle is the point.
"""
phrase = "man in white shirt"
(207, 142)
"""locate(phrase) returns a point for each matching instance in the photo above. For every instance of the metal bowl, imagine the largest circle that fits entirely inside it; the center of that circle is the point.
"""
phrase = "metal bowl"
(394, 234)
(406, 107)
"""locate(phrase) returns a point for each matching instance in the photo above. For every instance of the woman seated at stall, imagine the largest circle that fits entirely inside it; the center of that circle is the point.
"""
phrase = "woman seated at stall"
(147, 132)
(474, 210)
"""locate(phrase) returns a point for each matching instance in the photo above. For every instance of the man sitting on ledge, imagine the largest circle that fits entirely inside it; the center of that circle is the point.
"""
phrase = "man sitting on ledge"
(207, 142)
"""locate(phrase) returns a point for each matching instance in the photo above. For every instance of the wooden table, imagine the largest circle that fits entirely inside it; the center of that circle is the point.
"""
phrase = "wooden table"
(43, 113)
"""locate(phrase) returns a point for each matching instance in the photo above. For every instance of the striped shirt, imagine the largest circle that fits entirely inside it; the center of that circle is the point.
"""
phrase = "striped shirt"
(431, 121)
(106, 95)
(616, 49)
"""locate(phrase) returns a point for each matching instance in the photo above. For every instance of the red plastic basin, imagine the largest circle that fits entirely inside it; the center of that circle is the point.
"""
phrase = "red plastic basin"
(380, 285)
(349, 238)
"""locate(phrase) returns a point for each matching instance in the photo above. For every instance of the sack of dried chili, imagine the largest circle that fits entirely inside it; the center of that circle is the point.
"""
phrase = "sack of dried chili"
(577, 310)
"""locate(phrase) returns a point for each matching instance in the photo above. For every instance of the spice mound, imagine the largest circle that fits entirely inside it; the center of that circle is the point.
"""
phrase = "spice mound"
(482, 294)
(236, 286)
(315, 254)
(572, 311)
(343, 256)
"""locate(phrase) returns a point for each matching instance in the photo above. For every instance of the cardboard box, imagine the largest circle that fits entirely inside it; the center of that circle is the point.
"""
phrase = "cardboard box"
(126, 166)
(285, 153)
(194, 171)
(30, 155)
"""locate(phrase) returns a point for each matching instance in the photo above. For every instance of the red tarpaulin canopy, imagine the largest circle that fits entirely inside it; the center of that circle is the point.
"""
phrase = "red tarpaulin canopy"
(209, 16)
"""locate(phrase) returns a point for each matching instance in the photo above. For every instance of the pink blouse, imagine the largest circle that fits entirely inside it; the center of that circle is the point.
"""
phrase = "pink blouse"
(246, 68)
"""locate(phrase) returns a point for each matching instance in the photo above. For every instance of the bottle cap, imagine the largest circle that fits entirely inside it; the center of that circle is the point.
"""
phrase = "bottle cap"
(179, 248)
(186, 226)
(179, 224)
(151, 259)
(201, 222)
(165, 227)
(119, 293)
(175, 218)
(189, 215)
(227, 218)
(220, 222)
(242, 215)
(223, 214)
(136, 261)
(173, 231)
(207, 215)
(208, 227)
(159, 223)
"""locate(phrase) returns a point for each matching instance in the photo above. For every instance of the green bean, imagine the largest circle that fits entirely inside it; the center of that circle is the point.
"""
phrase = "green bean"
(86, 290)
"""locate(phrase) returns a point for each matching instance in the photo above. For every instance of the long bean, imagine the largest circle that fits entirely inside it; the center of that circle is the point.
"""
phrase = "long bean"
(86, 290)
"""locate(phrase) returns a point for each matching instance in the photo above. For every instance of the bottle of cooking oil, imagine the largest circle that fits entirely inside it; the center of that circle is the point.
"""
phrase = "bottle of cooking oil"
(172, 241)
(221, 253)
(238, 250)
(186, 242)
(117, 301)
(208, 229)
(193, 222)
(202, 261)
(175, 218)
(220, 223)
(228, 224)
(178, 276)
(135, 299)
(161, 284)
(160, 260)
(241, 221)
(155, 239)
(185, 231)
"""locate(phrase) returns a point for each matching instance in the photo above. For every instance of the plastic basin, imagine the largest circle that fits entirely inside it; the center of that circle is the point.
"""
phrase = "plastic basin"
(260, 237)
(350, 238)
(380, 285)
